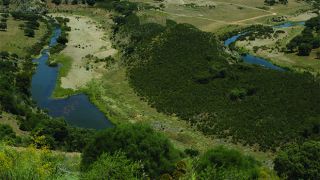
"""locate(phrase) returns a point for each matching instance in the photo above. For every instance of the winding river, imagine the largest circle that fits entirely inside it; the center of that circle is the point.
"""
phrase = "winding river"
(77, 110)
(251, 59)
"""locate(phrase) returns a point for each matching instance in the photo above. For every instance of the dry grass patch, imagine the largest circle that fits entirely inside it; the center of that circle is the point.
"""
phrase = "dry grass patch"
(87, 37)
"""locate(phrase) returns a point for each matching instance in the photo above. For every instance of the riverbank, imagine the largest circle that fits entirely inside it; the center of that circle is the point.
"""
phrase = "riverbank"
(273, 49)
(86, 39)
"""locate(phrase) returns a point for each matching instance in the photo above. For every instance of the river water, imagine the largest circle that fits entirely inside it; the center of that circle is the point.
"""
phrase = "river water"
(77, 110)
(251, 59)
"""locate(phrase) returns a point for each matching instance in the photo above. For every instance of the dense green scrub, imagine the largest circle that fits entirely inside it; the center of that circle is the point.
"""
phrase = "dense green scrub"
(183, 71)
(299, 161)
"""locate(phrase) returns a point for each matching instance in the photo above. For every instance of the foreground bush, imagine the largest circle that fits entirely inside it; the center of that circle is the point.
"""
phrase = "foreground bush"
(299, 161)
(139, 143)
(26, 164)
(222, 163)
(113, 167)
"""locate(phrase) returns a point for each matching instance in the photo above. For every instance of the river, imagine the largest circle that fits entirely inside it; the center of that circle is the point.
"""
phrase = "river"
(77, 110)
(251, 59)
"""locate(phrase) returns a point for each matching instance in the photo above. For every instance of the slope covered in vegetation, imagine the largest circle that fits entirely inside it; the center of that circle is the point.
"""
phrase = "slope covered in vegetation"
(181, 70)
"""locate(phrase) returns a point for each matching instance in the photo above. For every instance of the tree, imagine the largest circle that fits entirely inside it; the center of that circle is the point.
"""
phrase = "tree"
(56, 2)
(62, 40)
(29, 32)
(283, 1)
(304, 49)
(6, 2)
(3, 26)
(299, 161)
(115, 166)
(318, 54)
(139, 143)
(91, 2)
(270, 2)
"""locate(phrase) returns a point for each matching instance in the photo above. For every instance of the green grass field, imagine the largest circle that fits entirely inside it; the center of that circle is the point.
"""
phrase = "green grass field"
(13, 40)
(65, 64)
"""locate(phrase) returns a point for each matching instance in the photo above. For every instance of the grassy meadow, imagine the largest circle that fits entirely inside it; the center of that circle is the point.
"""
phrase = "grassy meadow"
(13, 40)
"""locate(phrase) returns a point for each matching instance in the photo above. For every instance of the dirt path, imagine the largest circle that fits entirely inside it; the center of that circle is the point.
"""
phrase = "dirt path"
(86, 37)
(241, 5)
(253, 18)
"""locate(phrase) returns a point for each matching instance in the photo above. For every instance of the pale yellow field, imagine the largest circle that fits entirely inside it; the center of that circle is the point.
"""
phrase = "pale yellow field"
(86, 38)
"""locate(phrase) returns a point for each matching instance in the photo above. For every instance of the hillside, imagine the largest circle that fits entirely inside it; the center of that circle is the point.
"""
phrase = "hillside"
(157, 89)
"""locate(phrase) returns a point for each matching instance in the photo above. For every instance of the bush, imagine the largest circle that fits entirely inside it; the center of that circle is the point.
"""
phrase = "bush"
(139, 143)
(6, 133)
(299, 161)
(222, 163)
(115, 166)
(33, 164)
(29, 32)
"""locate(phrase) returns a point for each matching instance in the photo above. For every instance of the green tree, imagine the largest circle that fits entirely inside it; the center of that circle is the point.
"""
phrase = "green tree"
(304, 49)
(318, 54)
(91, 2)
(222, 163)
(6, 2)
(115, 166)
(3, 26)
(56, 2)
(139, 142)
(299, 161)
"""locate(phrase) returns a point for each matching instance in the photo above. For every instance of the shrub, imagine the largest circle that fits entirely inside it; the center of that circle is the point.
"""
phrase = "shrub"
(115, 166)
(6, 133)
(299, 161)
(139, 143)
(222, 163)
(29, 32)
(32, 164)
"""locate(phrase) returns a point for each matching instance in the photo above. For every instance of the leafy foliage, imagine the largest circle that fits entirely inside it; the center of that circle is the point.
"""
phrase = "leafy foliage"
(116, 166)
(139, 143)
(222, 163)
(33, 164)
(299, 161)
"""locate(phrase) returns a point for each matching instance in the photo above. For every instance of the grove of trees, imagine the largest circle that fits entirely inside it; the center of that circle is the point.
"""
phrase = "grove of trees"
(308, 40)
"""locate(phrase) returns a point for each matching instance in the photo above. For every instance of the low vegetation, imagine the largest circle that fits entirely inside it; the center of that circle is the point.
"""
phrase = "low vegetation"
(31, 163)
